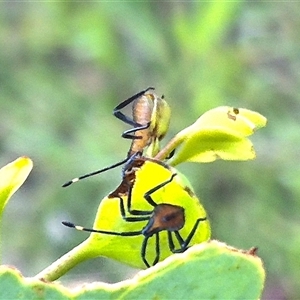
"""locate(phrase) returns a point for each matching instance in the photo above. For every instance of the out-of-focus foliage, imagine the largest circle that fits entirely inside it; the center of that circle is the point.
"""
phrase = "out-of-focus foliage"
(64, 66)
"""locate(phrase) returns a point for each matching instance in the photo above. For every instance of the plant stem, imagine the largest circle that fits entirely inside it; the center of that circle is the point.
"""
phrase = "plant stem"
(66, 262)
(172, 144)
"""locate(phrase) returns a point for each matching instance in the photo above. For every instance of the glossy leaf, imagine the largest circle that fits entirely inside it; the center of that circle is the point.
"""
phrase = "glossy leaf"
(206, 271)
(220, 133)
(214, 143)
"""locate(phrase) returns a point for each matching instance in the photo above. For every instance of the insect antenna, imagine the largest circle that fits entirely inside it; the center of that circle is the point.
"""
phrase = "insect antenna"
(80, 228)
(96, 172)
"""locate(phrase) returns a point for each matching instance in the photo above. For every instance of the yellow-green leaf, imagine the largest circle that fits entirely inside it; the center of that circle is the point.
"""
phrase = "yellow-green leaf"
(220, 133)
(210, 144)
(241, 120)
(128, 249)
(211, 270)
(12, 177)
(193, 227)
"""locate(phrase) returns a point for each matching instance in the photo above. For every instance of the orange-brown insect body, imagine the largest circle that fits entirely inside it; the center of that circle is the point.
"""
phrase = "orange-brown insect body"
(150, 120)
(142, 110)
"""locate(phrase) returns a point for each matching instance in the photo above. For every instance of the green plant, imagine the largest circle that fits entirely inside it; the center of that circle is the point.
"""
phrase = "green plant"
(207, 270)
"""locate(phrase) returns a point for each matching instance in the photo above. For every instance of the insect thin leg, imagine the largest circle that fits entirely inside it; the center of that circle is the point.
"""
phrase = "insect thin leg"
(135, 211)
(147, 195)
(117, 113)
(171, 242)
(183, 243)
(140, 214)
(191, 234)
(129, 134)
(157, 249)
(143, 251)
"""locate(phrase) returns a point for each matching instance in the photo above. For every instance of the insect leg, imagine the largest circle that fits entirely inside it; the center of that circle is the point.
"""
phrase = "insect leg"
(117, 113)
(191, 234)
(129, 134)
(144, 250)
(147, 195)
(170, 241)
(157, 249)
(184, 243)
(136, 211)
(141, 215)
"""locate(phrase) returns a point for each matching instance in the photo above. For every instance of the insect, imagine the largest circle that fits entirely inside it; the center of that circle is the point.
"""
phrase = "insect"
(159, 211)
(150, 121)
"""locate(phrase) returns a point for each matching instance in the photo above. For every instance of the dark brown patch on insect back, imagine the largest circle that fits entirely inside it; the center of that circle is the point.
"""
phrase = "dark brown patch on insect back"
(134, 165)
(129, 175)
(165, 217)
(128, 179)
(123, 188)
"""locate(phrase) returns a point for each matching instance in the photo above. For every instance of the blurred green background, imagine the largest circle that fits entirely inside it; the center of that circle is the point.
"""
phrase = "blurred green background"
(65, 66)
